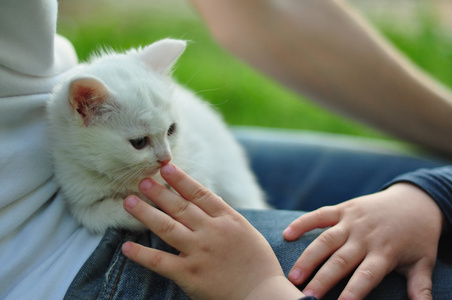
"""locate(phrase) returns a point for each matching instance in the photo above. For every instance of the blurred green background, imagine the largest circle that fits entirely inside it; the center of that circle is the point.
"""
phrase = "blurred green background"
(245, 97)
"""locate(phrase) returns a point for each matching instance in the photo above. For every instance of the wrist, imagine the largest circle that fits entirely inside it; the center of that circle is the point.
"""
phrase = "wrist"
(277, 287)
(419, 198)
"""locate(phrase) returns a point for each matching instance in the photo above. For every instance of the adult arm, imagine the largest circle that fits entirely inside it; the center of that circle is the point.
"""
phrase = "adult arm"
(324, 50)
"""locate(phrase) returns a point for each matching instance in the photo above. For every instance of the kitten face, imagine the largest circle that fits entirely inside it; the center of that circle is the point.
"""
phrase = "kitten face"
(125, 126)
(128, 143)
(115, 121)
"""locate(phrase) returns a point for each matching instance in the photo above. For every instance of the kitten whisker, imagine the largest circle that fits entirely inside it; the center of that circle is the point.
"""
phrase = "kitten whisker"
(115, 97)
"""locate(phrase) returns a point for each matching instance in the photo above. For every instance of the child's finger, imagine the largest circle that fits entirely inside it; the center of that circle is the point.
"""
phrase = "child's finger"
(316, 253)
(163, 263)
(193, 191)
(367, 276)
(173, 204)
(419, 280)
(337, 267)
(168, 229)
(320, 218)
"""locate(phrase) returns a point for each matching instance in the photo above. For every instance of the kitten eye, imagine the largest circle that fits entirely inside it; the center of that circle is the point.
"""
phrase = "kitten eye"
(140, 143)
(171, 129)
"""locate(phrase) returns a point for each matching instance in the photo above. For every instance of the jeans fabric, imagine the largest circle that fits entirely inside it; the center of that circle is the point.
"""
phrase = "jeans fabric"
(298, 171)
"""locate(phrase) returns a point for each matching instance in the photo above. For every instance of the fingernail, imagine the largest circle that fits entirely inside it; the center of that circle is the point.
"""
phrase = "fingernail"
(295, 276)
(126, 247)
(288, 232)
(168, 169)
(145, 184)
(308, 293)
(131, 202)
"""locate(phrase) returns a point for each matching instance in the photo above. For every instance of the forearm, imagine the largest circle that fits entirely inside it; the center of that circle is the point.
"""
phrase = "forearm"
(323, 50)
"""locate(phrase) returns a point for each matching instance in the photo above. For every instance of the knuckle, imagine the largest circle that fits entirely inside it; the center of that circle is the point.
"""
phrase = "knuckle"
(200, 193)
(425, 293)
(340, 261)
(387, 258)
(181, 208)
(320, 214)
(348, 294)
(238, 220)
(168, 226)
(327, 239)
(368, 275)
(387, 250)
(154, 261)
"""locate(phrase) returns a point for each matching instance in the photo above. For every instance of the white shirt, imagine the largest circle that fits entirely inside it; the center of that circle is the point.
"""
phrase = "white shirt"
(41, 246)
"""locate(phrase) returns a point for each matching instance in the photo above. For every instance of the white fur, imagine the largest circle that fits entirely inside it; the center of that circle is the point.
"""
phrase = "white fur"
(96, 164)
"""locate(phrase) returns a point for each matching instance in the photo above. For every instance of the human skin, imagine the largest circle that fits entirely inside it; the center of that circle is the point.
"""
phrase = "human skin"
(206, 231)
(395, 229)
(324, 50)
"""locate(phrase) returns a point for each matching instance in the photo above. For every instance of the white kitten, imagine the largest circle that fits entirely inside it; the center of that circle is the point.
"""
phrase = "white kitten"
(119, 118)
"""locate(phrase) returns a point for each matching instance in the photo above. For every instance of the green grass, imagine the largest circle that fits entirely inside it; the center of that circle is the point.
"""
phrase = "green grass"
(429, 49)
(242, 95)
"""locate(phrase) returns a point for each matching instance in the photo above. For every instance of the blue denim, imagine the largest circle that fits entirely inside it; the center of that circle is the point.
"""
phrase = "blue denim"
(298, 171)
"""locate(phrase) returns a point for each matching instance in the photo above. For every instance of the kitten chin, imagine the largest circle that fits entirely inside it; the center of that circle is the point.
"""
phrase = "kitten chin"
(118, 118)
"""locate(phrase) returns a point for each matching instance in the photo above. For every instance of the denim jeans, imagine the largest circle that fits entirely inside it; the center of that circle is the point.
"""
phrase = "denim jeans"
(298, 171)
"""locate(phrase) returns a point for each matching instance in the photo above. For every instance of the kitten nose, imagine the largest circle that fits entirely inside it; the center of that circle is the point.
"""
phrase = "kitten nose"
(164, 160)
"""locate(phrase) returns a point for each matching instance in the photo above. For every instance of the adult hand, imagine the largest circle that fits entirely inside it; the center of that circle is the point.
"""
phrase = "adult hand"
(222, 256)
(398, 228)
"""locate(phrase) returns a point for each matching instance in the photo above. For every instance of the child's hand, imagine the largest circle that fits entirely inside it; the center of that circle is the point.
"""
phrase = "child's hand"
(398, 228)
(221, 255)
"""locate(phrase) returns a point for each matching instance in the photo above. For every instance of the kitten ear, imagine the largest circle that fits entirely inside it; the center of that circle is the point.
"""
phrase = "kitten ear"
(86, 95)
(161, 55)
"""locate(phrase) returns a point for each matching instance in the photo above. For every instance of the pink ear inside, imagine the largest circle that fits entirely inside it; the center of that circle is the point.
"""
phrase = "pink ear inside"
(86, 95)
